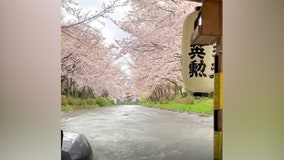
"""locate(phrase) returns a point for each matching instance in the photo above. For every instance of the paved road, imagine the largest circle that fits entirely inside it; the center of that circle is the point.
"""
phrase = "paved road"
(132, 132)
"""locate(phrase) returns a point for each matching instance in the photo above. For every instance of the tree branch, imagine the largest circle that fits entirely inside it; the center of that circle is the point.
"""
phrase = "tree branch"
(106, 10)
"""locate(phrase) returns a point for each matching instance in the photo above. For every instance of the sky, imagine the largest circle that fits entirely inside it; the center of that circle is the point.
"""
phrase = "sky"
(110, 31)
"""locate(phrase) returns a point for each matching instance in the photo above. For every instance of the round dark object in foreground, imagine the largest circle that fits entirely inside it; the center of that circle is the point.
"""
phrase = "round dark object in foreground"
(75, 147)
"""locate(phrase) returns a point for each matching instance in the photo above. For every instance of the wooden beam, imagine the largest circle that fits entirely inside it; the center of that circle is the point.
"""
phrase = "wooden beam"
(201, 1)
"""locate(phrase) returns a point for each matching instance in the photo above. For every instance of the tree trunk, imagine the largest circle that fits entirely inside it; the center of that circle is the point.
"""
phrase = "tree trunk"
(175, 89)
(84, 92)
(68, 88)
(180, 89)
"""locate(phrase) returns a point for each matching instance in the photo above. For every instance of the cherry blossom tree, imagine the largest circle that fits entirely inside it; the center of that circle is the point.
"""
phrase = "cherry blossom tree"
(154, 49)
(86, 63)
(155, 43)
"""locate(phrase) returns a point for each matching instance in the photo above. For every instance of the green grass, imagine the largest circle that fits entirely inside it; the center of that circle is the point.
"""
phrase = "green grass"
(74, 107)
(204, 105)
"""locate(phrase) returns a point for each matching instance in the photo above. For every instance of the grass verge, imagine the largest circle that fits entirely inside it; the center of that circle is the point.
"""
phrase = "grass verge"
(74, 107)
(203, 105)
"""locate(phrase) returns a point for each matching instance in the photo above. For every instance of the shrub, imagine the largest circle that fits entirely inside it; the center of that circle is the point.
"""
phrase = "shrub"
(75, 101)
(189, 100)
(112, 102)
(101, 101)
(178, 99)
(143, 97)
(163, 100)
(64, 100)
(136, 101)
(79, 102)
(184, 94)
(71, 101)
(91, 101)
(109, 103)
(185, 100)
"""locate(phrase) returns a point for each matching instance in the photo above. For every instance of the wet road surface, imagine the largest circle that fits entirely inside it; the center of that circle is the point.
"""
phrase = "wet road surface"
(133, 132)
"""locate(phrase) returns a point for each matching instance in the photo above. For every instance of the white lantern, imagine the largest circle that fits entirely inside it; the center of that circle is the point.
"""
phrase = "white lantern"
(197, 60)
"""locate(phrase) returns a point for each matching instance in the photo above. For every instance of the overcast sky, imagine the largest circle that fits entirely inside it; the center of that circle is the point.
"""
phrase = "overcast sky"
(110, 31)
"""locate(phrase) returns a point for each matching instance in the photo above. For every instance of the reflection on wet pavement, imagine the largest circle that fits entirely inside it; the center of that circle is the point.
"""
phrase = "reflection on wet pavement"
(132, 132)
